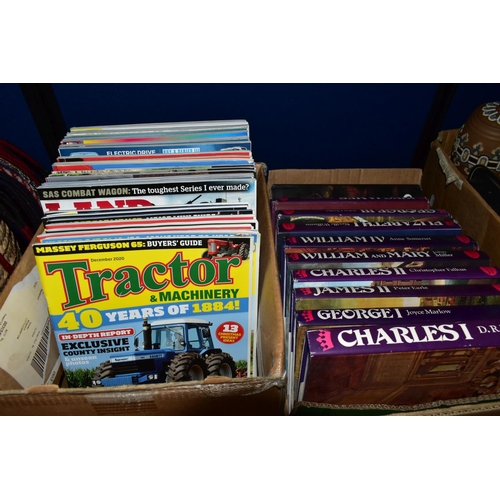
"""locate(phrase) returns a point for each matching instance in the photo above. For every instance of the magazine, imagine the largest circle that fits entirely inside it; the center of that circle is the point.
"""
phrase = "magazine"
(142, 311)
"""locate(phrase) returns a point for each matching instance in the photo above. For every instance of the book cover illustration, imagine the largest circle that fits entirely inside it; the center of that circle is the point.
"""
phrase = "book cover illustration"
(398, 364)
(143, 311)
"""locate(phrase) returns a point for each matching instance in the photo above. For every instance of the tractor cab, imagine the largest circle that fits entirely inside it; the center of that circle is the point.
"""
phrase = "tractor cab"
(176, 335)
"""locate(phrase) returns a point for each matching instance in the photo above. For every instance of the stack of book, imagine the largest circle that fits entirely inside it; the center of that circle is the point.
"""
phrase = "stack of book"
(149, 253)
(386, 301)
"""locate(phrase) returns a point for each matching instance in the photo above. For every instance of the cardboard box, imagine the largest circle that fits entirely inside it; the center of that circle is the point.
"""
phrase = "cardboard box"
(263, 395)
(448, 189)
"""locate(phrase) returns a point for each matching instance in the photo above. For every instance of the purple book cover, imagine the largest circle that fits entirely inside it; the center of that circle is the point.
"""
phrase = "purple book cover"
(380, 243)
(329, 318)
(426, 258)
(381, 215)
(336, 217)
(294, 244)
(374, 260)
(440, 227)
(394, 296)
(401, 365)
(435, 335)
(446, 227)
(306, 278)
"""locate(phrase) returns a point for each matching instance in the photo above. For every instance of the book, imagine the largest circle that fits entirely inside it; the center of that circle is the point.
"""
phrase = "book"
(401, 365)
(347, 204)
(308, 320)
(379, 243)
(361, 215)
(382, 243)
(330, 264)
(150, 310)
(455, 275)
(394, 296)
(447, 227)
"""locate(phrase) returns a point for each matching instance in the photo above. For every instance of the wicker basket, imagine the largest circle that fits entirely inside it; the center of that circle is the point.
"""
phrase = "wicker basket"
(10, 254)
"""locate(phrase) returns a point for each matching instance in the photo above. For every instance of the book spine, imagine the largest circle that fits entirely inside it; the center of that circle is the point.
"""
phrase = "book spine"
(394, 296)
(400, 228)
(380, 243)
(437, 335)
(327, 318)
(429, 258)
(383, 212)
(338, 217)
(305, 278)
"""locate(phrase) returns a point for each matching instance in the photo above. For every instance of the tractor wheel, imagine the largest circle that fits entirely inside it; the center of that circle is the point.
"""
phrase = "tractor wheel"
(205, 255)
(104, 370)
(187, 366)
(221, 364)
(244, 251)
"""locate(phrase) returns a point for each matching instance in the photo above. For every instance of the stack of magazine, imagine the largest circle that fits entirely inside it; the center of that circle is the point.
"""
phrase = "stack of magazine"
(386, 300)
(150, 252)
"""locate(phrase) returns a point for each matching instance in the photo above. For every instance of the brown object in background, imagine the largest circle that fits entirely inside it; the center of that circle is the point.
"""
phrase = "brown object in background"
(478, 141)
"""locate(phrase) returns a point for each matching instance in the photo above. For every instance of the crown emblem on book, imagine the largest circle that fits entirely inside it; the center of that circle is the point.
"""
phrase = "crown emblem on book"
(307, 315)
(294, 256)
(324, 339)
(302, 273)
(306, 291)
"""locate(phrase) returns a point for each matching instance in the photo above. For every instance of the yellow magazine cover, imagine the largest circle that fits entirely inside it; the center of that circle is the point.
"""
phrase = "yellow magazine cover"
(153, 309)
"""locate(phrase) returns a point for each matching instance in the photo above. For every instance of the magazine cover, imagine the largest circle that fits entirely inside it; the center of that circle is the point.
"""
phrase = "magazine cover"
(151, 148)
(190, 126)
(141, 311)
(146, 193)
(401, 364)
(148, 212)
